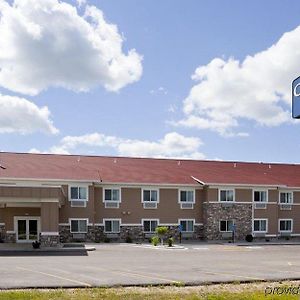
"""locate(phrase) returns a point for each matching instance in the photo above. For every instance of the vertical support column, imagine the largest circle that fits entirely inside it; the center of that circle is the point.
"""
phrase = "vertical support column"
(49, 235)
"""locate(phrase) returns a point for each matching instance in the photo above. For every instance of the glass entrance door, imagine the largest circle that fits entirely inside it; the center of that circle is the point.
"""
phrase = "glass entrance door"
(27, 230)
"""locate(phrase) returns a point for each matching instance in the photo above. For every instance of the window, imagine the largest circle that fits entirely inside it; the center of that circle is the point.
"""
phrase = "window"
(226, 225)
(285, 225)
(260, 196)
(78, 225)
(112, 226)
(187, 225)
(78, 196)
(150, 195)
(112, 197)
(187, 196)
(150, 225)
(286, 197)
(260, 225)
(226, 195)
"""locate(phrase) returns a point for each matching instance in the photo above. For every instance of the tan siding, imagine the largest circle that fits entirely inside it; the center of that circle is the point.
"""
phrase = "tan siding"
(292, 214)
(66, 211)
(49, 217)
(11, 212)
(131, 209)
(212, 195)
(296, 197)
(243, 195)
(273, 196)
(270, 213)
(30, 192)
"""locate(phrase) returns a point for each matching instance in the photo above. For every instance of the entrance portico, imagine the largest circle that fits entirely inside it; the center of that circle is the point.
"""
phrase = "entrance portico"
(30, 213)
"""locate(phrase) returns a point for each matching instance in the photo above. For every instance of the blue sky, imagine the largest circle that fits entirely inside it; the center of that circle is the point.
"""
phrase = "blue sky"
(156, 113)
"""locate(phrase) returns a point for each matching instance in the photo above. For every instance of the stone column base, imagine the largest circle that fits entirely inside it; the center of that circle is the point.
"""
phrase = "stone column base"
(10, 237)
(49, 240)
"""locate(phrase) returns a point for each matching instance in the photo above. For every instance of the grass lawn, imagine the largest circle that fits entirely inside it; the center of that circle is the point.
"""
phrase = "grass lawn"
(211, 292)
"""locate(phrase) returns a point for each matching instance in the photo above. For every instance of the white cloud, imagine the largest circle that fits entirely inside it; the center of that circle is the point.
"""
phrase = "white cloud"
(22, 116)
(256, 89)
(47, 43)
(160, 90)
(171, 145)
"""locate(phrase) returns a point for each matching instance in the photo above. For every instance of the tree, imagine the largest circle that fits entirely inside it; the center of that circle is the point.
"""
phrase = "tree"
(161, 231)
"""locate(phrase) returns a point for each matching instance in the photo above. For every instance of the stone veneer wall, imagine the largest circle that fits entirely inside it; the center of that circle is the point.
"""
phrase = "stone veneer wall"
(2, 233)
(94, 234)
(10, 237)
(49, 240)
(240, 213)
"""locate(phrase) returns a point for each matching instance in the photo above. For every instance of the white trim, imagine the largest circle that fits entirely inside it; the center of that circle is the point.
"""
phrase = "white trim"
(295, 234)
(261, 190)
(226, 189)
(124, 224)
(149, 219)
(78, 186)
(2, 224)
(285, 231)
(222, 220)
(64, 224)
(145, 188)
(245, 185)
(286, 191)
(79, 219)
(27, 218)
(221, 202)
(10, 232)
(112, 201)
(187, 190)
(261, 231)
(185, 220)
(50, 233)
(112, 219)
(198, 180)
(29, 200)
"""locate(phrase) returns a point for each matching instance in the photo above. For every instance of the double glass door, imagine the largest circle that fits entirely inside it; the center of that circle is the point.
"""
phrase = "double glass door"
(27, 230)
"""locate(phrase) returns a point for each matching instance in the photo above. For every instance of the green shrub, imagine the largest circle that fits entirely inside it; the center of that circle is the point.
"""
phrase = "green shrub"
(170, 242)
(128, 239)
(106, 240)
(161, 230)
(155, 240)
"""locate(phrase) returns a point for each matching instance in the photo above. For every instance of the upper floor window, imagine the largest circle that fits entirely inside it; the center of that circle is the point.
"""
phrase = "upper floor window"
(112, 197)
(226, 195)
(150, 198)
(260, 196)
(186, 199)
(78, 196)
(286, 197)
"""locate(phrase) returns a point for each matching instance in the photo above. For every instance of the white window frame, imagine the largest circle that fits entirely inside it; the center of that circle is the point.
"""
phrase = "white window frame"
(142, 197)
(186, 190)
(285, 192)
(143, 220)
(260, 231)
(112, 219)
(112, 201)
(233, 222)
(292, 221)
(226, 189)
(83, 200)
(79, 219)
(260, 190)
(187, 220)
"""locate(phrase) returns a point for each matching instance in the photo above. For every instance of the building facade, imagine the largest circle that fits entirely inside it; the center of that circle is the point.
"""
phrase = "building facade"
(59, 198)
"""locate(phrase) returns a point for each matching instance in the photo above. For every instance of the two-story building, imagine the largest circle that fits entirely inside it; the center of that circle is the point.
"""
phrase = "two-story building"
(63, 198)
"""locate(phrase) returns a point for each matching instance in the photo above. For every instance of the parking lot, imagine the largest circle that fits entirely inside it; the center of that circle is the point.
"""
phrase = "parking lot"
(132, 264)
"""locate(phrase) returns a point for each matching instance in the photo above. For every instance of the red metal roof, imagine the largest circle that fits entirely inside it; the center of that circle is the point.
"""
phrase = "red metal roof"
(145, 170)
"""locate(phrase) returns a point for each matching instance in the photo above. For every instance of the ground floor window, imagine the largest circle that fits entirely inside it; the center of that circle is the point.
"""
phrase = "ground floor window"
(226, 225)
(78, 225)
(187, 225)
(260, 225)
(285, 225)
(112, 226)
(150, 225)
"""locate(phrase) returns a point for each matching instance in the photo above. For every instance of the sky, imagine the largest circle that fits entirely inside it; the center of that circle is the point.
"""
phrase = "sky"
(182, 79)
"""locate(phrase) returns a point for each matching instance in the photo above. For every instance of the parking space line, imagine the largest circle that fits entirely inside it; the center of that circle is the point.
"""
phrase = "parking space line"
(230, 274)
(55, 276)
(135, 274)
